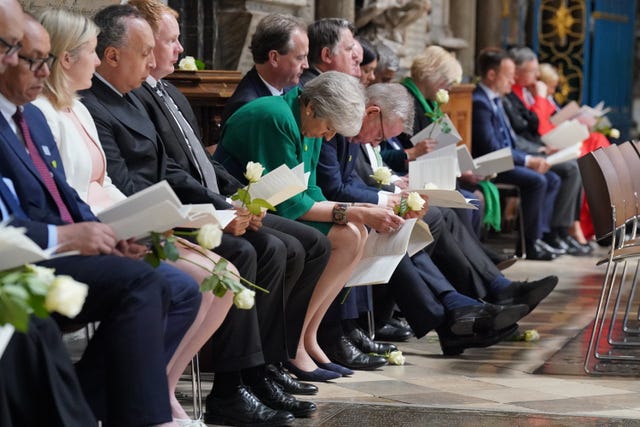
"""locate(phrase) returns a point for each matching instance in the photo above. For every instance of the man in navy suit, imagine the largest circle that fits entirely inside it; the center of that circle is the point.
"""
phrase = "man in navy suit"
(279, 47)
(308, 250)
(492, 131)
(123, 370)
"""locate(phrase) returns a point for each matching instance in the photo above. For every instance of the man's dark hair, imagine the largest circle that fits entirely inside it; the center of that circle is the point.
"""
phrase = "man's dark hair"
(490, 58)
(274, 33)
(112, 23)
(325, 33)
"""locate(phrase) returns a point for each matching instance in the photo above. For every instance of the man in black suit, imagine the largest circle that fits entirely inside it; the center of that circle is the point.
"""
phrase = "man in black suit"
(136, 158)
(122, 372)
(307, 249)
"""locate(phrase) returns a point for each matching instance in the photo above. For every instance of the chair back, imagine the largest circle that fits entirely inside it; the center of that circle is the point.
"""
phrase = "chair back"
(626, 207)
(598, 194)
(632, 159)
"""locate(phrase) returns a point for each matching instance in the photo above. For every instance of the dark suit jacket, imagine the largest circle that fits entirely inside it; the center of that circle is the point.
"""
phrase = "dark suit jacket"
(16, 165)
(524, 123)
(250, 87)
(172, 138)
(364, 171)
(485, 128)
(136, 156)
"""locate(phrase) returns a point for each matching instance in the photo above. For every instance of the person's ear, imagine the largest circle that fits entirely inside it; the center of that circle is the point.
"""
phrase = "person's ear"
(325, 55)
(273, 57)
(65, 61)
(111, 56)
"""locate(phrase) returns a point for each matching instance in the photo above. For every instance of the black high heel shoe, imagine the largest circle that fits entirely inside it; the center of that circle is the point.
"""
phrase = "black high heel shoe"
(317, 375)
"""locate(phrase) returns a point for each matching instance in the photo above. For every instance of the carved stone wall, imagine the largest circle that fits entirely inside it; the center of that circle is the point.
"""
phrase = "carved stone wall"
(85, 7)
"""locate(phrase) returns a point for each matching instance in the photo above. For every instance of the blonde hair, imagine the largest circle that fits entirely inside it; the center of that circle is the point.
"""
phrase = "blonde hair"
(436, 64)
(152, 11)
(548, 73)
(68, 32)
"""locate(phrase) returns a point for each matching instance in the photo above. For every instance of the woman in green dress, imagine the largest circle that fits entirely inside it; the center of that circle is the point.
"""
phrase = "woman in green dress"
(289, 130)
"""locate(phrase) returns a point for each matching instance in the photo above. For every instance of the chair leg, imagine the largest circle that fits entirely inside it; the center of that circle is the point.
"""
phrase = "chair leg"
(196, 388)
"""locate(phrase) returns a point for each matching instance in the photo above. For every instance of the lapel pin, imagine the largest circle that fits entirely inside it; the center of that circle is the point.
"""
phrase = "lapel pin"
(54, 164)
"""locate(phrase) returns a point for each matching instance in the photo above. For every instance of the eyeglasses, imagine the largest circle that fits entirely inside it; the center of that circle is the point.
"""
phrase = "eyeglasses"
(36, 64)
(381, 137)
(10, 48)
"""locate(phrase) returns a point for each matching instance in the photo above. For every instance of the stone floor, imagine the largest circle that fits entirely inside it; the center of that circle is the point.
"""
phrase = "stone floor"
(512, 383)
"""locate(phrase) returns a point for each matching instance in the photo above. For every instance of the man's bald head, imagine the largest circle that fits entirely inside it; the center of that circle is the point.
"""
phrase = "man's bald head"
(11, 22)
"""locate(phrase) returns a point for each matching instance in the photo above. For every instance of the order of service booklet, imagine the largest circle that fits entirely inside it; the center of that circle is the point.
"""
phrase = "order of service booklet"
(384, 251)
(436, 179)
(157, 208)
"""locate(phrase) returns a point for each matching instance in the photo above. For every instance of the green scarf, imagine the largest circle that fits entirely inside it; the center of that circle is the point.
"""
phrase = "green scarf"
(492, 211)
(428, 106)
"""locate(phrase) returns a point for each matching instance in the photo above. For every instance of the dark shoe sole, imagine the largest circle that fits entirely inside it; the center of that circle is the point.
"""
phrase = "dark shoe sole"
(482, 342)
(503, 265)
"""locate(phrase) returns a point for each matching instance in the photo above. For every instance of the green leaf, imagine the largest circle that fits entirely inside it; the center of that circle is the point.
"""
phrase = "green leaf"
(210, 283)
(263, 204)
(200, 65)
(152, 259)
(220, 266)
(219, 290)
(242, 195)
(14, 312)
(171, 251)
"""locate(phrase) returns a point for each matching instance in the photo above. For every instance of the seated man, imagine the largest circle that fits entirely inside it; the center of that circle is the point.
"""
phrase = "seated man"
(491, 131)
(122, 372)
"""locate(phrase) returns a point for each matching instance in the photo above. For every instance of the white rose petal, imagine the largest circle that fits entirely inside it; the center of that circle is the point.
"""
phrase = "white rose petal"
(415, 201)
(244, 299)
(442, 96)
(396, 358)
(188, 63)
(209, 236)
(382, 175)
(430, 186)
(614, 133)
(66, 296)
(253, 172)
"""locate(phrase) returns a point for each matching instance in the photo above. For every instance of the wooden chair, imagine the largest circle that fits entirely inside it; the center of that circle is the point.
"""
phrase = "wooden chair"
(612, 204)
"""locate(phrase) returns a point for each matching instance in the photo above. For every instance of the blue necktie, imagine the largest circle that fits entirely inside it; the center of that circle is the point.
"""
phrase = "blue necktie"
(505, 129)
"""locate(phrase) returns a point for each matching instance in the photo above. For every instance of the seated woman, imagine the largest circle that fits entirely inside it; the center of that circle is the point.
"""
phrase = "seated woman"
(289, 130)
(73, 42)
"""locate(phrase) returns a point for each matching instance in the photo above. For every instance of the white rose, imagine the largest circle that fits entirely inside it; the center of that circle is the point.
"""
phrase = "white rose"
(382, 175)
(188, 63)
(396, 358)
(531, 335)
(43, 274)
(614, 133)
(66, 296)
(442, 96)
(415, 201)
(244, 299)
(209, 236)
(253, 172)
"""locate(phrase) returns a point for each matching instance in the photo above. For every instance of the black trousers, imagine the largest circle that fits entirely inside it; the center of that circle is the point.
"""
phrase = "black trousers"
(122, 371)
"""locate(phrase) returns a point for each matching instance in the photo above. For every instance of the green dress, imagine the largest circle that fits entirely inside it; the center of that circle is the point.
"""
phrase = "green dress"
(267, 130)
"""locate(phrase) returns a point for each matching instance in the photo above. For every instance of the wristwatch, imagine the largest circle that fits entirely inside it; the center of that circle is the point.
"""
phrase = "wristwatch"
(339, 213)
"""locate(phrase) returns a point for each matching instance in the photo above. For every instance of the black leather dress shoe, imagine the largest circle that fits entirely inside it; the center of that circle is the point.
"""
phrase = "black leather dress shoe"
(529, 293)
(484, 318)
(389, 332)
(274, 397)
(242, 408)
(453, 345)
(345, 353)
(506, 261)
(288, 383)
(367, 345)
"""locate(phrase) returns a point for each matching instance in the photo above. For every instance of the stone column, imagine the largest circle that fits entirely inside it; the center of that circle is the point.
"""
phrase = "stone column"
(489, 22)
(336, 9)
(462, 19)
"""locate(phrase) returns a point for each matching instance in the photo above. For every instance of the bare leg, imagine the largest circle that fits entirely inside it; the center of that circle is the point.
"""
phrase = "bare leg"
(210, 316)
(575, 231)
(347, 244)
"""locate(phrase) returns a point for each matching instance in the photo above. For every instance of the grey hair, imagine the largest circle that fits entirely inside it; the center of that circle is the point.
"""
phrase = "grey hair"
(387, 59)
(339, 98)
(274, 33)
(520, 55)
(326, 33)
(112, 21)
(394, 102)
